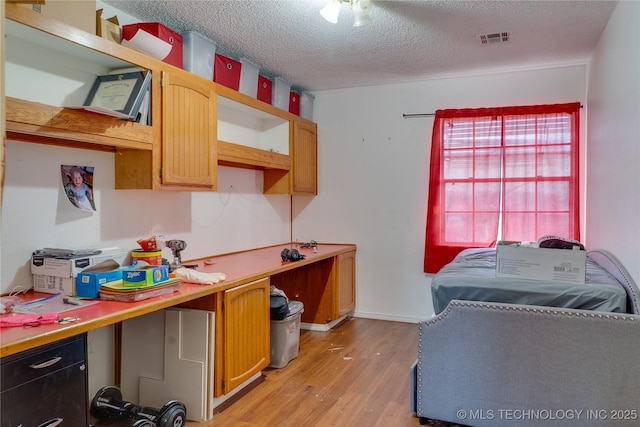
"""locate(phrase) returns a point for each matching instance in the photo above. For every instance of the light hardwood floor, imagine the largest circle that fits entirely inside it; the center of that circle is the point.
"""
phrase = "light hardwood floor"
(356, 374)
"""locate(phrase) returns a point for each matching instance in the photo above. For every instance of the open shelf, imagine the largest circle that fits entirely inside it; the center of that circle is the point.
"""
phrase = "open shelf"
(230, 154)
(35, 122)
(247, 126)
(50, 65)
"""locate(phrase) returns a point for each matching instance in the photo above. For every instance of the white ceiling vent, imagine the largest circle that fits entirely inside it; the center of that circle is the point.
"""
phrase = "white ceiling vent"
(492, 38)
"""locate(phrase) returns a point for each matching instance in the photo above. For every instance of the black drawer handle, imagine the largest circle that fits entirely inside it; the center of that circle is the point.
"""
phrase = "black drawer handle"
(47, 363)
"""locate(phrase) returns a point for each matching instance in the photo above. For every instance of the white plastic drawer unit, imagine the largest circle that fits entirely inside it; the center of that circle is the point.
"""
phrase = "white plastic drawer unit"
(45, 384)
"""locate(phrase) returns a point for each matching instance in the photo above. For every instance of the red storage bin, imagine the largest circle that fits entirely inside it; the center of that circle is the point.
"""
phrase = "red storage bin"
(163, 33)
(294, 103)
(226, 71)
(265, 87)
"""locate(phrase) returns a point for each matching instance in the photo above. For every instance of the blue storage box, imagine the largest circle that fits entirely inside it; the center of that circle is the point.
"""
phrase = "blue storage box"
(89, 281)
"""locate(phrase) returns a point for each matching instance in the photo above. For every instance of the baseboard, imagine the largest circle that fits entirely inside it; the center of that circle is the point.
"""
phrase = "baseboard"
(322, 327)
(389, 317)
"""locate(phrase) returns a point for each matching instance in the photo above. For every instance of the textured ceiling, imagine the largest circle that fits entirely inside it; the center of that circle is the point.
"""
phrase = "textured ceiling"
(405, 40)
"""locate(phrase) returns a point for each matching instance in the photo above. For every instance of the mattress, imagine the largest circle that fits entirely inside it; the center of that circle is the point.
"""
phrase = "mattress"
(471, 276)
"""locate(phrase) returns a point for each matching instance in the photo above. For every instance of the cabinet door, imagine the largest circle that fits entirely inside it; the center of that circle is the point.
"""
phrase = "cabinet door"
(346, 286)
(188, 132)
(246, 332)
(305, 158)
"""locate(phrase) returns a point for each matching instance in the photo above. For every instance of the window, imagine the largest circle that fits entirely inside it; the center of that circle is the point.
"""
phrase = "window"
(507, 173)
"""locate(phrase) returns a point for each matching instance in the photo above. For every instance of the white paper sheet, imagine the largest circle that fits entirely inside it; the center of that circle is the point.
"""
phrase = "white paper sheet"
(145, 42)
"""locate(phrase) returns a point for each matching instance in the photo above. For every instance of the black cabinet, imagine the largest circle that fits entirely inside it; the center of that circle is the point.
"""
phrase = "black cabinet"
(45, 384)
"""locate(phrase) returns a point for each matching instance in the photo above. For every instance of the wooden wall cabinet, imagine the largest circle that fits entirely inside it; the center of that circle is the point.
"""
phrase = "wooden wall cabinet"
(188, 132)
(305, 157)
(302, 178)
(289, 164)
(182, 147)
(185, 157)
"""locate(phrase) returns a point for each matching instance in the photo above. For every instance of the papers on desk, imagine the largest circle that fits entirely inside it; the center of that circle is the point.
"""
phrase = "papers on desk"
(51, 304)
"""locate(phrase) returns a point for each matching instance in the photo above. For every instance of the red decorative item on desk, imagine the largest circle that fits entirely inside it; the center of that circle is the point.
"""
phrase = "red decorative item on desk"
(153, 243)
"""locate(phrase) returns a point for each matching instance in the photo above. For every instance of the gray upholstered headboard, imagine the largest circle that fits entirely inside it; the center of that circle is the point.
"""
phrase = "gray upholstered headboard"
(610, 263)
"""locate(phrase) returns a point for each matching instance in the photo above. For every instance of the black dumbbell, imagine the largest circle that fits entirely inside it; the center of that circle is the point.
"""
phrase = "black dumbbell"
(107, 404)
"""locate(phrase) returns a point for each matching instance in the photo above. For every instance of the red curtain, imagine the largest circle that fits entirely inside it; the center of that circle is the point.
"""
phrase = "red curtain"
(508, 173)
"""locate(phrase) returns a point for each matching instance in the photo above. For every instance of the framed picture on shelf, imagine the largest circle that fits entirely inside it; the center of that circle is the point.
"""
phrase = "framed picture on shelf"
(119, 95)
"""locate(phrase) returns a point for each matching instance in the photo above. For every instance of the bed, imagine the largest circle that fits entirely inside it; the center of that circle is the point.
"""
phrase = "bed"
(501, 352)
(472, 276)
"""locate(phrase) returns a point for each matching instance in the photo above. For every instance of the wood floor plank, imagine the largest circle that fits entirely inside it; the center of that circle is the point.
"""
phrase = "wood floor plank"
(356, 374)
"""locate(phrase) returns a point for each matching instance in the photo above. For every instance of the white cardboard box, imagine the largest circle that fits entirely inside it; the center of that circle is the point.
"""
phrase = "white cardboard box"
(524, 262)
(68, 268)
(54, 284)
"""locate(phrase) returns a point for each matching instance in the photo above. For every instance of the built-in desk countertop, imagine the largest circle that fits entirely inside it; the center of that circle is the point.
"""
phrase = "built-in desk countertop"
(239, 268)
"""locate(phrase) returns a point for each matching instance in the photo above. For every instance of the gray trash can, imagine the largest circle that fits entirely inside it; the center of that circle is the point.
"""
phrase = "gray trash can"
(285, 336)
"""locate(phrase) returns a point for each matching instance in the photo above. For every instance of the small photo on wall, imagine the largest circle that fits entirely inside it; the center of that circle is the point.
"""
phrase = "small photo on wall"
(77, 182)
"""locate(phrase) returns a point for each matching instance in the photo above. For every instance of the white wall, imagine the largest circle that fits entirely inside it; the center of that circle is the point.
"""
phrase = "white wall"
(36, 213)
(613, 174)
(373, 174)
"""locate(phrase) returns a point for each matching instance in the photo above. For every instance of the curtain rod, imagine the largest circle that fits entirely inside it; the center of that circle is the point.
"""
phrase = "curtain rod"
(411, 116)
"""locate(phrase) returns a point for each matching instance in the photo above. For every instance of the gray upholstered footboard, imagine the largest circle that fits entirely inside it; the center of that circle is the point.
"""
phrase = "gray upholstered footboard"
(489, 364)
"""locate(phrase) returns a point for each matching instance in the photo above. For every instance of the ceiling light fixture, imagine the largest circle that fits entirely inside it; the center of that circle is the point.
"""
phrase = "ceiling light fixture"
(360, 10)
